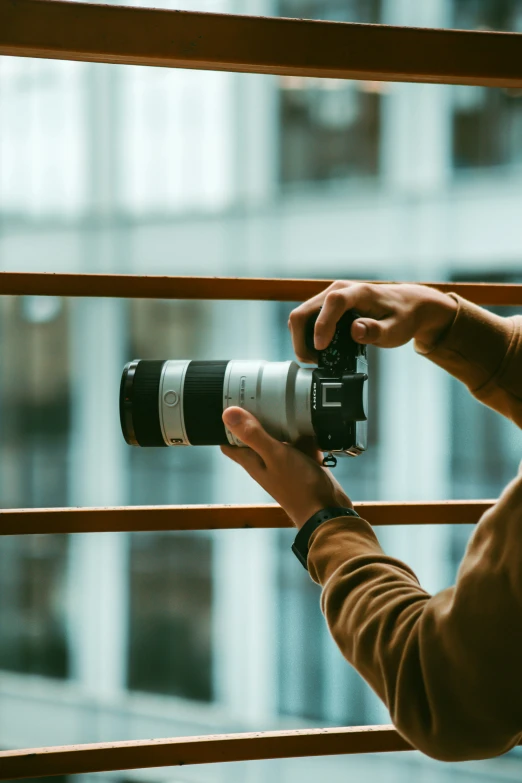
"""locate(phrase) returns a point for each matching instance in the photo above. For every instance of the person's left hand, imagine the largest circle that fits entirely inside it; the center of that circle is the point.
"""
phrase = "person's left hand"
(292, 475)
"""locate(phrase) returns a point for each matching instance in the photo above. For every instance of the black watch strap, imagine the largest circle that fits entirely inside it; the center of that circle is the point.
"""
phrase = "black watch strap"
(300, 545)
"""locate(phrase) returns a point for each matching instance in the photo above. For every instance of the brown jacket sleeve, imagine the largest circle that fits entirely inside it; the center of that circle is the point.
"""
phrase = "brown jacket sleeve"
(484, 351)
(447, 666)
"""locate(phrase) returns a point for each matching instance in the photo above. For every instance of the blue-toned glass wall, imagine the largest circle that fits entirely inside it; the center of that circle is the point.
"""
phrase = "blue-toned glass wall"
(149, 170)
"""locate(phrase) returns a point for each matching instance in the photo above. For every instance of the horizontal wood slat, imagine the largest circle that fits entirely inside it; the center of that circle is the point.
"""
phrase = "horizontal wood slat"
(236, 288)
(296, 47)
(181, 751)
(26, 521)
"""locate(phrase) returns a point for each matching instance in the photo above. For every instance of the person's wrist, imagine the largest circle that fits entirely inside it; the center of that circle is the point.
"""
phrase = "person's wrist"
(436, 313)
(308, 512)
(301, 544)
(302, 518)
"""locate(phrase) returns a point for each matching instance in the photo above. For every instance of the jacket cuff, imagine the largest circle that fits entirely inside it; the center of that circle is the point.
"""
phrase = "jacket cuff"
(335, 542)
(479, 337)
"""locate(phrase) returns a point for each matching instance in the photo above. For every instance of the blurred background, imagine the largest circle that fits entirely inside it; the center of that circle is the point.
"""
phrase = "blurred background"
(156, 171)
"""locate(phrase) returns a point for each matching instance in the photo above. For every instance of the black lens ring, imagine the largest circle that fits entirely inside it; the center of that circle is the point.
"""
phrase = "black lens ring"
(203, 403)
(126, 389)
(139, 403)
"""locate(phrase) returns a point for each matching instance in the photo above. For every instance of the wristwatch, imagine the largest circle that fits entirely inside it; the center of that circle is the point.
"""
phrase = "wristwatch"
(300, 545)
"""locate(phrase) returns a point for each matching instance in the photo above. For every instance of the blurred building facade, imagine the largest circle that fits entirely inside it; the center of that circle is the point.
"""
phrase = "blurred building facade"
(155, 171)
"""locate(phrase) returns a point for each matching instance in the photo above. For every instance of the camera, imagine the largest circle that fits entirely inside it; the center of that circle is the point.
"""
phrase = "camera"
(170, 402)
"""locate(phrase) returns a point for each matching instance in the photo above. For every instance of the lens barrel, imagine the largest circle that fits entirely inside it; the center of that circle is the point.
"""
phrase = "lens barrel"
(178, 402)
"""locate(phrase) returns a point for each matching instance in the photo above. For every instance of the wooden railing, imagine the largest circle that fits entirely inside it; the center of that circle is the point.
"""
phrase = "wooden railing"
(115, 34)
(25, 521)
(73, 759)
(254, 288)
(290, 47)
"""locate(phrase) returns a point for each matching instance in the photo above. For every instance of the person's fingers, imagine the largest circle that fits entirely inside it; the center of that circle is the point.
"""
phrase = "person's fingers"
(248, 459)
(359, 295)
(386, 333)
(360, 330)
(299, 317)
(368, 330)
(248, 429)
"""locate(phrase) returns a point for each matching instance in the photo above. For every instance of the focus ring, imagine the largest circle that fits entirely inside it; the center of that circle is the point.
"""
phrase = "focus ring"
(203, 403)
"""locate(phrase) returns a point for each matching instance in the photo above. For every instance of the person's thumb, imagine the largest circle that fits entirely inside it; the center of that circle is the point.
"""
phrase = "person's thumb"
(367, 330)
(247, 428)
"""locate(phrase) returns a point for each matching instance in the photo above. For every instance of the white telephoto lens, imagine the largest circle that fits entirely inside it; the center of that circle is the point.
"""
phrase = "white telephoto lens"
(276, 393)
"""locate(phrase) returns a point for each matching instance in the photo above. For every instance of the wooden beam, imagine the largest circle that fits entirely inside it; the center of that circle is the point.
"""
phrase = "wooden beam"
(294, 47)
(231, 288)
(181, 751)
(27, 521)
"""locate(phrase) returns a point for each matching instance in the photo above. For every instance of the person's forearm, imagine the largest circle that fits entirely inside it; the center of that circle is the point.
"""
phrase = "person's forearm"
(447, 666)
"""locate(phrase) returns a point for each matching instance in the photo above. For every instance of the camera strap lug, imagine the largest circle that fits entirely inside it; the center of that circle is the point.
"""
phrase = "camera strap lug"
(329, 461)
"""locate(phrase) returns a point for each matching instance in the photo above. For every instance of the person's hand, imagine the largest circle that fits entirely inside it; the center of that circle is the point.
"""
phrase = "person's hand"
(292, 475)
(392, 314)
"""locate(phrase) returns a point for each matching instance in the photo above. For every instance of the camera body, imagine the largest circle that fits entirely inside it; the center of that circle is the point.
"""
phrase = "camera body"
(339, 394)
(180, 402)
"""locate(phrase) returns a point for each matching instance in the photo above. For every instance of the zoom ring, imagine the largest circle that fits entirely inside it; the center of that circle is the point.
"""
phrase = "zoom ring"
(203, 403)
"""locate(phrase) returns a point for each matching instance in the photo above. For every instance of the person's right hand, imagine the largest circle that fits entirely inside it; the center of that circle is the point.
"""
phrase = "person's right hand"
(392, 315)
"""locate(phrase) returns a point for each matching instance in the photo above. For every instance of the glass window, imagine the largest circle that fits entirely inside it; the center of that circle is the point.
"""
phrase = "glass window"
(329, 128)
(170, 624)
(32, 613)
(43, 162)
(34, 423)
(487, 123)
(34, 390)
(488, 15)
(177, 151)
